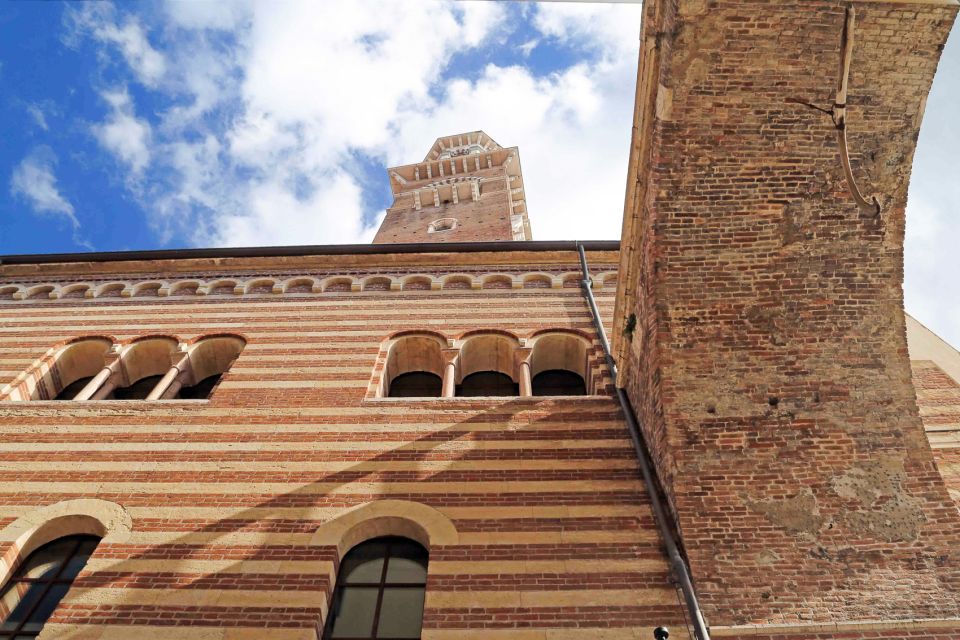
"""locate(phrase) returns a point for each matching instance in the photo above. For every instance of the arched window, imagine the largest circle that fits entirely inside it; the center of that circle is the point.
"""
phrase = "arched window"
(142, 365)
(207, 361)
(487, 366)
(62, 373)
(558, 382)
(487, 383)
(414, 367)
(416, 384)
(558, 365)
(40, 583)
(380, 591)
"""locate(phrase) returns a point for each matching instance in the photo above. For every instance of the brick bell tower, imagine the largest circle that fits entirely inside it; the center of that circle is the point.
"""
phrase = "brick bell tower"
(467, 189)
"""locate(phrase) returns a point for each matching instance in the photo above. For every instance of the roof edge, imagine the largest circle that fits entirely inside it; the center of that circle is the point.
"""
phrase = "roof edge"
(309, 250)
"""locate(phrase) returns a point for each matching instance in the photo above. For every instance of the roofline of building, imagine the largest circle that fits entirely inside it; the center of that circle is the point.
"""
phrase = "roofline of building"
(309, 250)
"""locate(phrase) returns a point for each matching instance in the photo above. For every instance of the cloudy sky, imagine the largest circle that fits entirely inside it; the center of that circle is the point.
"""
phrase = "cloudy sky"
(177, 124)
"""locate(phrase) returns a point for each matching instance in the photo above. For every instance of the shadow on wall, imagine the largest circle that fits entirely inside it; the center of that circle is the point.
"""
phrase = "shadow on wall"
(332, 539)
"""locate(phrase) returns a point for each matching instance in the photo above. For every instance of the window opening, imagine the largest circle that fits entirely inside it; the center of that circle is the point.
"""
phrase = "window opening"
(380, 592)
(416, 384)
(40, 583)
(139, 390)
(487, 383)
(71, 390)
(558, 382)
(201, 390)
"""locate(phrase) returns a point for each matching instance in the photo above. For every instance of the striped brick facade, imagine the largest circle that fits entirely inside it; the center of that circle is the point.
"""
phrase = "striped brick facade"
(538, 525)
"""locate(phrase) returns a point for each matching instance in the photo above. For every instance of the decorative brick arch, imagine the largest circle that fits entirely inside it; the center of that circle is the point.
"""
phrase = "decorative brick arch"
(370, 520)
(90, 516)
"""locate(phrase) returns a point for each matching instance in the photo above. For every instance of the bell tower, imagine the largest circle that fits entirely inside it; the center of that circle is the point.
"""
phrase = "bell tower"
(467, 189)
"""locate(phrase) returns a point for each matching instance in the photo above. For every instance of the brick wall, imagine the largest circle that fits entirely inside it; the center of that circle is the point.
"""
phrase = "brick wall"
(769, 361)
(555, 538)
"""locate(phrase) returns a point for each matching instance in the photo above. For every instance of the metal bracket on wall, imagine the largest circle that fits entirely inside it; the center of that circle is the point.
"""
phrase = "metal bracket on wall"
(838, 113)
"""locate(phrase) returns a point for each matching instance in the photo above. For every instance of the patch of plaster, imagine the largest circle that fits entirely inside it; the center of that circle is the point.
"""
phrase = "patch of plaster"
(886, 511)
(799, 514)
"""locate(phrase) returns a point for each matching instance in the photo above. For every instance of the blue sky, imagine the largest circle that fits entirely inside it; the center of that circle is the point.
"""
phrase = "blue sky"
(179, 124)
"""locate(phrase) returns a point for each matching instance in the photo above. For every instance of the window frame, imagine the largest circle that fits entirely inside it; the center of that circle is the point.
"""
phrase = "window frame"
(382, 586)
(47, 583)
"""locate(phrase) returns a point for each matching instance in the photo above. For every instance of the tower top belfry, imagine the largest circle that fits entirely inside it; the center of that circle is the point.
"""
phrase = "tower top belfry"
(467, 189)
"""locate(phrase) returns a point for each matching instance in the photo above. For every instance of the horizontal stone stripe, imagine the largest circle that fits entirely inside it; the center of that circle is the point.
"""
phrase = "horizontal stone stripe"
(89, 631)
(633, 509)
(552, 617)
(304, 447)
(573, 633)
(161, 580)
(464, 526)
(513, 410)
(325, 435)
(348, 304)
(259, 538)
(405, 454)
(570, 551)
(508, 598)
(458, 569)
(221, 479)
(532, 408)
(545, 317)
(417, 466)
(318, 488)
(186, 616)
(551, 582)
(246, 500)
(286, 597)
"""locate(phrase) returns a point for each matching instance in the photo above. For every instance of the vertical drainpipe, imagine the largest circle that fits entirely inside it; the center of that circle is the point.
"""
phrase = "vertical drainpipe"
(666, 527)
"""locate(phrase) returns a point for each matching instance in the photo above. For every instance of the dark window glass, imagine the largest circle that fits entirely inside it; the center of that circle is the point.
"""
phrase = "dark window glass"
(380, 591)
(139, 390)
(416, 384)
(71, 390)
(201, 390)
(39, 584)
(558, 382)
(488, 383)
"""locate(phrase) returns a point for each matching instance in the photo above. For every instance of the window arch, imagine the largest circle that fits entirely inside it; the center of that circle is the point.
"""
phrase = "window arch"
(414, 367)
(487, 366)
(380, 591)
(558, 365)
(40, 583)
(207, 361)
(63, 372)
(142, 365)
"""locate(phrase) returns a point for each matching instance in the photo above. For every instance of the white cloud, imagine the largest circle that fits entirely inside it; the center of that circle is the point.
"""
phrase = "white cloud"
(99, 21)
(38, 116)
(33, 179)
(312, 84)
(273, 102)
(122, 133)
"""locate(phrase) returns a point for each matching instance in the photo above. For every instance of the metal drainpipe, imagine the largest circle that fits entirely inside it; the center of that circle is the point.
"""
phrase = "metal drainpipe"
(677, 563)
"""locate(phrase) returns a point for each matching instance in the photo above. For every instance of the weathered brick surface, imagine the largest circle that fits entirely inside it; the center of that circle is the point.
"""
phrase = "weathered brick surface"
(556, 537)
(769, 362)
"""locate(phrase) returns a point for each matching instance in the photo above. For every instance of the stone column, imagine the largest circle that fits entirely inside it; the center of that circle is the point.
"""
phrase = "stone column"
(170, 383)
(449, 372)
(105, 379)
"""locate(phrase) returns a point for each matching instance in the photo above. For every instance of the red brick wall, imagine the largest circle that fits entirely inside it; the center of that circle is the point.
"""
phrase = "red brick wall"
(769, 362)
(555, 535)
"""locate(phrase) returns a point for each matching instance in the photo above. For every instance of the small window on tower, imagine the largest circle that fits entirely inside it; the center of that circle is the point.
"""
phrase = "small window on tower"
(443, 224)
